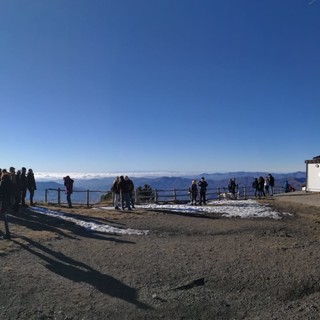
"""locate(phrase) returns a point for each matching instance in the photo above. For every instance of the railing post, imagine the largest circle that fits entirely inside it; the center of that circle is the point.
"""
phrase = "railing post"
(174, 195)
(156, 196)
(136, 196)
(219, 194)
(59, 197)
(88, 198)
(46, 196)
(245, 192)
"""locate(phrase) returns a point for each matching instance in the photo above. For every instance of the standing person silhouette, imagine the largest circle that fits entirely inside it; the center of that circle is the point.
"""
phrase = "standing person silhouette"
(255, 186)
(23, 186)
(193, 190)
(203, 190)
(31, 185)
(68, 183)
(116, 193)
(271, 184)
(6, 193)
(124, 192)
(130, 190)
(232, 188)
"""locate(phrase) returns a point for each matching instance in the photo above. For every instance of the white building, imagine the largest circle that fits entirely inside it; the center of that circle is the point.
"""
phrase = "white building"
(313, 174)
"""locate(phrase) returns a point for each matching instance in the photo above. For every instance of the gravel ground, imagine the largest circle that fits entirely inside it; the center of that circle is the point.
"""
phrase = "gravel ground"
(186, 267)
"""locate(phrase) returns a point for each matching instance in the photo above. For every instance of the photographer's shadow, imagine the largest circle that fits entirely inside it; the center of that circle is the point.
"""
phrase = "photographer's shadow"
(81, 272)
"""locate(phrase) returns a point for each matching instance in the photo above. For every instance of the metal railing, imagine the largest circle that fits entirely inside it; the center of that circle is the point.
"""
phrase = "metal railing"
(91, 197)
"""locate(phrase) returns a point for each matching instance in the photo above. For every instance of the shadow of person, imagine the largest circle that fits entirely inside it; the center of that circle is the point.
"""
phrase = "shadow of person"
(36, 221)
(78, 271)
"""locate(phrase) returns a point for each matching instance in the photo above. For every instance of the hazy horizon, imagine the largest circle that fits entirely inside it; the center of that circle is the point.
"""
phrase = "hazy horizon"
(46, 176)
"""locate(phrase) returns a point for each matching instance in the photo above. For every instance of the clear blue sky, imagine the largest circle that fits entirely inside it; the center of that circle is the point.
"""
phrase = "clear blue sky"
(159, 85)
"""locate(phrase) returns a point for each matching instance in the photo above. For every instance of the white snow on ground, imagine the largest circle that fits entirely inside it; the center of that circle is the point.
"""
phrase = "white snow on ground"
(91, 226)
(227, 208)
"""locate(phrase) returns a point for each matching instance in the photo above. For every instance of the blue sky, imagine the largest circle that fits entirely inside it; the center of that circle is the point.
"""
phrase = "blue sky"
(159, 85)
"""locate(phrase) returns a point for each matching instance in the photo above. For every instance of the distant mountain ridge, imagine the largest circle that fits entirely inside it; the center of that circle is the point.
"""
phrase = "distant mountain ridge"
(215, 180)
(243, 174)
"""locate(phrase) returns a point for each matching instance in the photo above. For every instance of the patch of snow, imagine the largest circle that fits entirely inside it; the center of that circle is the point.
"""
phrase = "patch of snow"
(227, 208)
(91, 226)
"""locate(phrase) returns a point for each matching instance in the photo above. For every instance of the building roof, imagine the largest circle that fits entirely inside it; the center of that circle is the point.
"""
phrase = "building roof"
(314, 160)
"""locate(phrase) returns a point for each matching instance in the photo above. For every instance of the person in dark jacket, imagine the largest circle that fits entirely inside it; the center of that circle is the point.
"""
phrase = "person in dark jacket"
(23, 186)
(261, 187)
(193, 190)
(6, 192)
(203, 190)
(68, 183)
(130, 190)
(116, 192)
(124, 192)
(31, 185)
(6, 197)
(15, 179)
(232, 188)
(271, 184)
(255, 186)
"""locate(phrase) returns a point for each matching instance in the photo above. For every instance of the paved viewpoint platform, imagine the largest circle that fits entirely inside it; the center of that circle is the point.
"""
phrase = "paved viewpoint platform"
(301, 197)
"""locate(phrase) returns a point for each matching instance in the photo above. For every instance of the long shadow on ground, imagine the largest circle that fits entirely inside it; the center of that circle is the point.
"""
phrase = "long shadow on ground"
(187, 214)
(40, 222)
(77, 271)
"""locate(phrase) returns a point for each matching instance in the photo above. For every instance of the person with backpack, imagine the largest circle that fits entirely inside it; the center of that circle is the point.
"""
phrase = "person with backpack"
(232, 188)
(124, 192)
(68, 183)
(31, 185)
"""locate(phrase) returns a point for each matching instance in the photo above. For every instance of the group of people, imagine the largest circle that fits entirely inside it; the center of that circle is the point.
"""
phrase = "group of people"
(122, 189)
(263, 186)
(14, 186)
(193, 191)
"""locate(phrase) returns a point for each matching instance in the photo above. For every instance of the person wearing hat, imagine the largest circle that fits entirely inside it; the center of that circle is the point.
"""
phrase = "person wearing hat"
(203, 190)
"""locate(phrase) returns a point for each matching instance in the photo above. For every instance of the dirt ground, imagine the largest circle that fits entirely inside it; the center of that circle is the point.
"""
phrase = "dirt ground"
(186, 267)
